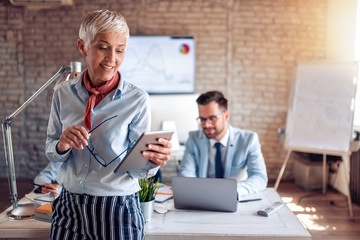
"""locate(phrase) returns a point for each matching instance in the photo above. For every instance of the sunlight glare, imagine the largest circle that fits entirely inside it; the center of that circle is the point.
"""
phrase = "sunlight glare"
(287, 199)
(295, 208)
(306, 215)
(309, 222)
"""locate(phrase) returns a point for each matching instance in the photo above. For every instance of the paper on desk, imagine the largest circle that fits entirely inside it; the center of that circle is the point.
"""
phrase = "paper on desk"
(46, 197)
(31, 195)
(164, 193)
(252, 196)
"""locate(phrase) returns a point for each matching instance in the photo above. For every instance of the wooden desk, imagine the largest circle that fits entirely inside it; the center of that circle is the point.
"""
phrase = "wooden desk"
(243, 224)
(29, 228)
(182, 224)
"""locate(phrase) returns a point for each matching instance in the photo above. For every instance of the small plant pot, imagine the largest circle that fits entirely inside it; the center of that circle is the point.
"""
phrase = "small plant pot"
(147, 209)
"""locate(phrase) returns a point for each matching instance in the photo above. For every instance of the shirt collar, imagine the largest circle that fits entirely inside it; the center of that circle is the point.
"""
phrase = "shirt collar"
(224, 140)
(120, 89)
(79, 87)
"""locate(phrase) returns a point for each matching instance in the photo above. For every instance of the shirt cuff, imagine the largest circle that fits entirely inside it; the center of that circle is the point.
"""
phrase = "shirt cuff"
(151, 169)
(37, 189)
(60, 157)
(242, 192)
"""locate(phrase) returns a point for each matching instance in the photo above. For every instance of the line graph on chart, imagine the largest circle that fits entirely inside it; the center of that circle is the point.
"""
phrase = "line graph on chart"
(160, 65)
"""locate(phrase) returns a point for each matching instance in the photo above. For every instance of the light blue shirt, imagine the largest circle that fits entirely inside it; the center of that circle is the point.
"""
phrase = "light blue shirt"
(243, 159)
(117, 121)
(48, 174)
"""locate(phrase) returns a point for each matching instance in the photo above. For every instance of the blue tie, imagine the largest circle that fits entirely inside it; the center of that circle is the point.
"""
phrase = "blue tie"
(218, 162)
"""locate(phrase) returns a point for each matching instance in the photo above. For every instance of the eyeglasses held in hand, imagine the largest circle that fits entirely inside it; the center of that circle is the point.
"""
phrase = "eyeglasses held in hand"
(97, 156)
(212, 118)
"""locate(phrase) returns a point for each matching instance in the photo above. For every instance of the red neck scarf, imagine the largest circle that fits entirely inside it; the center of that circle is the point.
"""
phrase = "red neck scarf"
(97, 94)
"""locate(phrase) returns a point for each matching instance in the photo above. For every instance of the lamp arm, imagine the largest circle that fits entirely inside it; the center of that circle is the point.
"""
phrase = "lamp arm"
(6, 130)
(61, 71)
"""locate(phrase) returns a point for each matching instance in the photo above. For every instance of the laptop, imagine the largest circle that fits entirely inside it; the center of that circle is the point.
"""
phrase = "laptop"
(209, 194)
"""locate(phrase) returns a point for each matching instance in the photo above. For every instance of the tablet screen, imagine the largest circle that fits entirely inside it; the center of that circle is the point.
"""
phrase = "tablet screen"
(134, 159)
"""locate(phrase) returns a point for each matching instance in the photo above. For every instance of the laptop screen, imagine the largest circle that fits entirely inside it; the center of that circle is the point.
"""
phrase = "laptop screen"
(210, 194)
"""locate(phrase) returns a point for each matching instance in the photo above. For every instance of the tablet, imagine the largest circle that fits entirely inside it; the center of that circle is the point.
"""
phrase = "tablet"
(134, 159)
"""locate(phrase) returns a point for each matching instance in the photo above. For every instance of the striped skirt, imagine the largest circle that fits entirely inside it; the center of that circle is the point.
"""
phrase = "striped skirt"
(77, 216)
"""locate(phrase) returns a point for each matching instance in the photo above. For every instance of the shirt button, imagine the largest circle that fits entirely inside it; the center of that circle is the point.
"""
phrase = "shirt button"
(80, 182)
(86, 165)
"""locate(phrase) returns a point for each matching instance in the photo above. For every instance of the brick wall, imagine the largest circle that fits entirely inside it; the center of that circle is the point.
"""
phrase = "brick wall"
(246, 48)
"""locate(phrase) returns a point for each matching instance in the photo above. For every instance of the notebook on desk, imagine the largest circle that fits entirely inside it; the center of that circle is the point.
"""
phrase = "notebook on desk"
(211, 194)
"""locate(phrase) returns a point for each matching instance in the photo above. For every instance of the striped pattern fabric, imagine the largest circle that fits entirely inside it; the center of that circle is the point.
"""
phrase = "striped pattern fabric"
(78, 216)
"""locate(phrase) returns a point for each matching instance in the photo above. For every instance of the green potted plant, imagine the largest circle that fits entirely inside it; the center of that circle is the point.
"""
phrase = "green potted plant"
(147, 196)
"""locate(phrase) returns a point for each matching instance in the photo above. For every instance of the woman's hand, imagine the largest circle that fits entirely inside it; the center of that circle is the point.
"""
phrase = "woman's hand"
(75, 136)
(158, 154)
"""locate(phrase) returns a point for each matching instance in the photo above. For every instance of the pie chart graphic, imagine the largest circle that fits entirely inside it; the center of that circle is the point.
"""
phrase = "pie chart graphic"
(184, 48)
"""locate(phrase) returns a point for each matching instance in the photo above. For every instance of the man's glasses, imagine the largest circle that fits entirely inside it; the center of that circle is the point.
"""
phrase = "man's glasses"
(97, 156)
(212, 119)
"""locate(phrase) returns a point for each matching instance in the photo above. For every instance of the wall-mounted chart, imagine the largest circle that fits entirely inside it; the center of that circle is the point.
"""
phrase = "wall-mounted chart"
(160, 64)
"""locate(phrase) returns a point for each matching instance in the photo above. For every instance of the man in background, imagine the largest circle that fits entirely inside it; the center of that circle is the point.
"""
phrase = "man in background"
(222, 151)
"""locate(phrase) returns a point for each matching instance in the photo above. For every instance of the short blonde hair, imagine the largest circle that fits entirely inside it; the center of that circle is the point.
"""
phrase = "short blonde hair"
(102, 21)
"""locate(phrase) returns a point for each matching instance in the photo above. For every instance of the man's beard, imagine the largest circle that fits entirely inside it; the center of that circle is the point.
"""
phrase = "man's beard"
(212, 135)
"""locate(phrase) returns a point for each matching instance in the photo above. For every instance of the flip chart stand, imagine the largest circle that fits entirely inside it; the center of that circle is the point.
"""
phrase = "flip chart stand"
(320, 113)
(346, 160)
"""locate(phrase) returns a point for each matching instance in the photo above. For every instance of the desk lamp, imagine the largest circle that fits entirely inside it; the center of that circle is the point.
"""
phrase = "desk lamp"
(21, 211)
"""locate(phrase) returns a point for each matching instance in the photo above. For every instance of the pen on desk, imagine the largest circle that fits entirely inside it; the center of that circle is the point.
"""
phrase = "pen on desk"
(164, 193)
(39, 185)
(249, 200)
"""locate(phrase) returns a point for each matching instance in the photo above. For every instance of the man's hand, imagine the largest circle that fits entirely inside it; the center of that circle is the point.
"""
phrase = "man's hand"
(158, 154)
(75, 136)
(49, 188)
